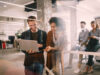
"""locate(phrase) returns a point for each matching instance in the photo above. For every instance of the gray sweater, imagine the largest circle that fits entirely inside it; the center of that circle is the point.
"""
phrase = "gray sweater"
(83, 36)
(96, 33)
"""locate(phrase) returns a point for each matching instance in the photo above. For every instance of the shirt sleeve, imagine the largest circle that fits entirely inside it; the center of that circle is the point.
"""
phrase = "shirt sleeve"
(86, 37)
(98, 37)
(44, 39)
(79, 37)
(23, 35)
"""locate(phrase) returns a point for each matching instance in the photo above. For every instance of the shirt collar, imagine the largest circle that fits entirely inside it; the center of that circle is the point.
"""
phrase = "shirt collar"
(84, 29)
(36, 30)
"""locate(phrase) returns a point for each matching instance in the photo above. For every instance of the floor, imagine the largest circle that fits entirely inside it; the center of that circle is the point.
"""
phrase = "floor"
(11, 63)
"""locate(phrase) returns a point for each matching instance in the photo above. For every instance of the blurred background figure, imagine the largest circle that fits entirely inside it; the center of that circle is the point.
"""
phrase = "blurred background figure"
(83, 37)
(94, 37)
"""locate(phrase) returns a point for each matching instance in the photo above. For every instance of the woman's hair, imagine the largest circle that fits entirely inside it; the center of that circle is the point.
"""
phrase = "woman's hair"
(58, 21)
(93, 22)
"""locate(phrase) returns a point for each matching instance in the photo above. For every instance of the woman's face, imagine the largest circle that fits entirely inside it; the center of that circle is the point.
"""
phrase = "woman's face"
(53, 27)
(93, 25)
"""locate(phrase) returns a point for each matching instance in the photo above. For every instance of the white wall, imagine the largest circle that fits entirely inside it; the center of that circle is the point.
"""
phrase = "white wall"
(15, 12)
(87, 10)
(10, 28)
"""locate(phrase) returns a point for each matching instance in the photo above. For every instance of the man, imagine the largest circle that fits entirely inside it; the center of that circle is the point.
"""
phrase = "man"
(34, 60)
(83, 37)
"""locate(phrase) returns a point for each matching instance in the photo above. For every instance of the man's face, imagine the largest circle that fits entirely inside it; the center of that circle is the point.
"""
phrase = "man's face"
(32, 24)
(53, 27)
(82, 25)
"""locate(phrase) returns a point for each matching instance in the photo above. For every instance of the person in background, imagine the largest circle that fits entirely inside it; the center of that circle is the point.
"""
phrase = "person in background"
(83, 37)
(55, 45)
(94, 37)
(34, 61)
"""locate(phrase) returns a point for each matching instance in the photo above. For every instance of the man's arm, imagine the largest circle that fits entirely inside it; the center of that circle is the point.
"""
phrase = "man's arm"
(84, 42)
(44, 39)
(23, 35)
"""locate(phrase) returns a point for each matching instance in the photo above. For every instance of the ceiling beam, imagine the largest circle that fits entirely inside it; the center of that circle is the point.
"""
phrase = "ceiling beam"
(28, 3)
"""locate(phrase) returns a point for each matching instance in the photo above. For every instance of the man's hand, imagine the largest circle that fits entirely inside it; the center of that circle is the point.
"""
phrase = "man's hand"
(30, 51)
(40, 45)
(89, 38)
(85, 44)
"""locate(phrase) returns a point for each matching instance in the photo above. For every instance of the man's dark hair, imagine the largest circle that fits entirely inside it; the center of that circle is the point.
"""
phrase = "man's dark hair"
(83, 22)
(92, 22)
(31, 18)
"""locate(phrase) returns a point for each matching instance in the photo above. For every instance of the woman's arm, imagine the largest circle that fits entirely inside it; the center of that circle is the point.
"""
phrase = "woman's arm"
(49, 48)
(97, 37)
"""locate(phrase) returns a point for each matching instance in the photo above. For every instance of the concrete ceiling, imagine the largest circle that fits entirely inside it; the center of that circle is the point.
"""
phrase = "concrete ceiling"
(4, 4)
(91, 5)
(22, 2)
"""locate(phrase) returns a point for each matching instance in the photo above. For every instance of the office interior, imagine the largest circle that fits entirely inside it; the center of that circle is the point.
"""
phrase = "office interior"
(13, 21)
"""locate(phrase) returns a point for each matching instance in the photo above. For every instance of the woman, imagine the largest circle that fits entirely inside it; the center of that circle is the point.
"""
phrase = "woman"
(55, 44)
(94, 37)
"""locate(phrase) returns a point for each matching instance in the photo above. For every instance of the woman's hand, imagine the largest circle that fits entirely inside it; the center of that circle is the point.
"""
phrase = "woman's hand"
(48, 48)
(94, 37)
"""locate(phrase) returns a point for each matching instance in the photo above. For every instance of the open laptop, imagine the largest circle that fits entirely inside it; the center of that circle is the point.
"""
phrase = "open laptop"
(28, 45)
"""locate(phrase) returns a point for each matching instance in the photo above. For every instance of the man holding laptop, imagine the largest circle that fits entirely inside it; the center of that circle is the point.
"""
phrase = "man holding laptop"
(34, 60)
